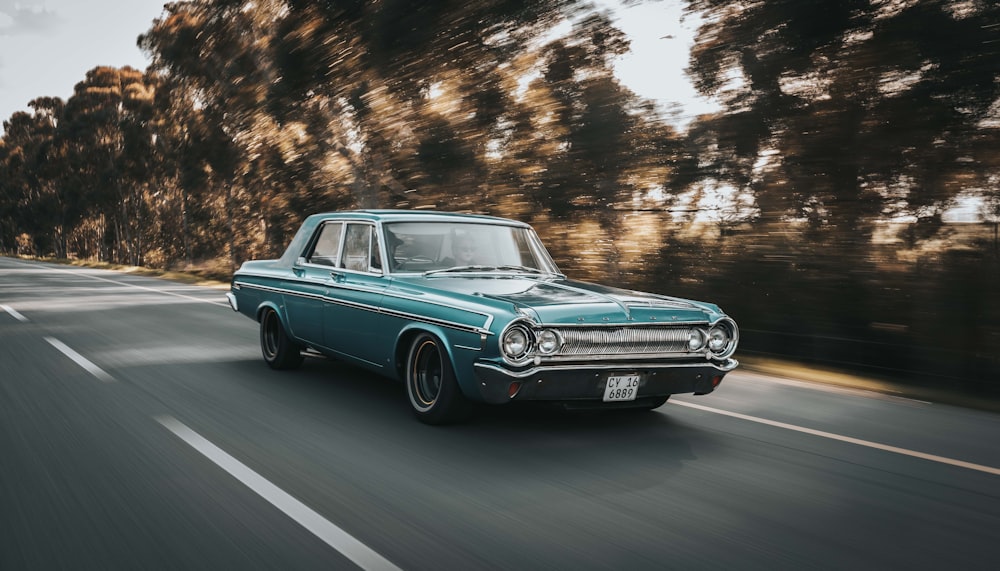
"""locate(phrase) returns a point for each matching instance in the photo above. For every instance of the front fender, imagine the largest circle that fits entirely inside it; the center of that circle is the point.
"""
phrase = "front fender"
(462, 348)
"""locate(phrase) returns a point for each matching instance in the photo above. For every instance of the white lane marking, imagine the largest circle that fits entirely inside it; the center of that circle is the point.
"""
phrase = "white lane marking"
(329, 533)
(848, 439)
(13, 312)
(80, 360)
(180, 295)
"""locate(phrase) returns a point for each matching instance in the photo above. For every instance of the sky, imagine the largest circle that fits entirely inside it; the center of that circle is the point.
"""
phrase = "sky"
(661, 40)
(47, 47)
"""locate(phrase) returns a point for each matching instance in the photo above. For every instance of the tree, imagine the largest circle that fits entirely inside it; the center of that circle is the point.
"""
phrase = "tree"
(871, 108)
(106, 143)
(32, 203)
(397, 103)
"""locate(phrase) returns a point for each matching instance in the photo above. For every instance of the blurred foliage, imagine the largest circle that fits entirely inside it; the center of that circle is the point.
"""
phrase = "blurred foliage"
(811, 207)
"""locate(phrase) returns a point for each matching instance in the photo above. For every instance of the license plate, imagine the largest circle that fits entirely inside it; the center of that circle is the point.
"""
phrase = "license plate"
(621, 388)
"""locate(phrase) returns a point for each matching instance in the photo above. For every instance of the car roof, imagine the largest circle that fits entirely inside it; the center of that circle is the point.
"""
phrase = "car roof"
(415, 216)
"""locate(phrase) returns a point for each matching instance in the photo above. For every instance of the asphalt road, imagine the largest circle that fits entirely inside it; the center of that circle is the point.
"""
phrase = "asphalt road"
(140, 429)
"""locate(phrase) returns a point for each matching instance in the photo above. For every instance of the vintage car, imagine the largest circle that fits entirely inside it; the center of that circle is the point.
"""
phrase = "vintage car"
(467, 308)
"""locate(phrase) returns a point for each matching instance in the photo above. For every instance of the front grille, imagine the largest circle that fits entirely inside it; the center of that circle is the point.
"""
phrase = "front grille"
(624, 340)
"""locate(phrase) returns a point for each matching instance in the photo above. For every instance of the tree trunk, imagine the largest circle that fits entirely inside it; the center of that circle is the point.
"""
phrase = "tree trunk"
(231, 226)
(184, 229)
(127, 229)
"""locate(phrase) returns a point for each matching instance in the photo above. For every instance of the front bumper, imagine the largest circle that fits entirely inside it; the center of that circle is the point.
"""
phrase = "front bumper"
(586, 382)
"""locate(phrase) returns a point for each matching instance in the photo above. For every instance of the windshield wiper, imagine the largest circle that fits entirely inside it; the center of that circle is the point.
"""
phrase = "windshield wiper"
(508, 268)
(521, 269)
(458, 269)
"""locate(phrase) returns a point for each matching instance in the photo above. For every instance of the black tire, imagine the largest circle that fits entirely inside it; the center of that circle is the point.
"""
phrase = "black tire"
(430, 383)
(280, 352)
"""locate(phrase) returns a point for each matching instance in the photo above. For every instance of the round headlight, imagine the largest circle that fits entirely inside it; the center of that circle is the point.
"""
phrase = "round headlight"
(548, 342)
(515, 343)
(718, 339)
(696, 340)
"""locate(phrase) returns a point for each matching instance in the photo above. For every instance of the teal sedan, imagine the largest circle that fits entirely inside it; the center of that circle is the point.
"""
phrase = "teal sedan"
(465, 308)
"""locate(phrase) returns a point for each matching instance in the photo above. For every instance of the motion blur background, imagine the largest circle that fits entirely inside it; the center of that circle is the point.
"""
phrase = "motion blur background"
(842, 204)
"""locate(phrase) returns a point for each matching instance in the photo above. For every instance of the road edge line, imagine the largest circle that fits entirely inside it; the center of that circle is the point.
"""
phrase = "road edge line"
(848, 439)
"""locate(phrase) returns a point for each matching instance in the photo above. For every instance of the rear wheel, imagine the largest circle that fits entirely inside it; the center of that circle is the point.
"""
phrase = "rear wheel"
(279, 351)
(430, 383)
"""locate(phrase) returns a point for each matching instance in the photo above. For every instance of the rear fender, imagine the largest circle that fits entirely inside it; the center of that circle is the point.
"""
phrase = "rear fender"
(277, 309)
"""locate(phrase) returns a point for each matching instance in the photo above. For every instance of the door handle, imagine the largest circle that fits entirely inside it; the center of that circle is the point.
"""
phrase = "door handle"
(336, 277)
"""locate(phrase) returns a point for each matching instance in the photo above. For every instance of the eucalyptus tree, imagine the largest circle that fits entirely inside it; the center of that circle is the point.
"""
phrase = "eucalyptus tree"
(845, 111)
(212, 54)
(397, 103)
(32, 203)
(591, 143)
(845, 114)
(405, 95)
(107, 147)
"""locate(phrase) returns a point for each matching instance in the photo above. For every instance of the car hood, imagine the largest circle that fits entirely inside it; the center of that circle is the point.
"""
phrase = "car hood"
(554, 300)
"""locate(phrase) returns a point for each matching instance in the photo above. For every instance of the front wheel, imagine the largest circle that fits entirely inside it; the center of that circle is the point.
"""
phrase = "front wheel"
(431, 385)
(279, 351)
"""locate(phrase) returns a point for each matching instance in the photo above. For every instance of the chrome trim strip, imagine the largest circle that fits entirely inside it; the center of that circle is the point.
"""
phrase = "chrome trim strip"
(432, 321)
(487, 317)
(725, 367)
(376, 309)
(241, 273)
(630, 324)
(283, 291)
(622, 356)
(673, 303)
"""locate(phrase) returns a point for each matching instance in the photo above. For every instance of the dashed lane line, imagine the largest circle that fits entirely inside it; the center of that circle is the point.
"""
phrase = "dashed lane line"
(14, 313)
(80, 360)
(347, 545)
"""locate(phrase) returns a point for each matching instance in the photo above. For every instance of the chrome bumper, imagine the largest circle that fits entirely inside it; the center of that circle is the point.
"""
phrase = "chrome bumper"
(586, 382)
(232, 301)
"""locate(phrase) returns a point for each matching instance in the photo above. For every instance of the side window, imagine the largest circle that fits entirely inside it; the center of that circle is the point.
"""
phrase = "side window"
(357, 247)
(327, 245)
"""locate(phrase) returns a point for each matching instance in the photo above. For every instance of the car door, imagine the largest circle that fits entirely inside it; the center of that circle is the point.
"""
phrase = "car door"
(306, 295)
(352, 319)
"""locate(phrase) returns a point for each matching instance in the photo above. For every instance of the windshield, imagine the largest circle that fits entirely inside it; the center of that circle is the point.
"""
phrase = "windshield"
(462, 246)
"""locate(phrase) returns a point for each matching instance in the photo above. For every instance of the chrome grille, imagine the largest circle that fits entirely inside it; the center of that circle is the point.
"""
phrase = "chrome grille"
(624, 340)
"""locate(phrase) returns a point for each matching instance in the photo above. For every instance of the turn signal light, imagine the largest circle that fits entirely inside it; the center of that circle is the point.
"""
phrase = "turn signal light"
(513, 389)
